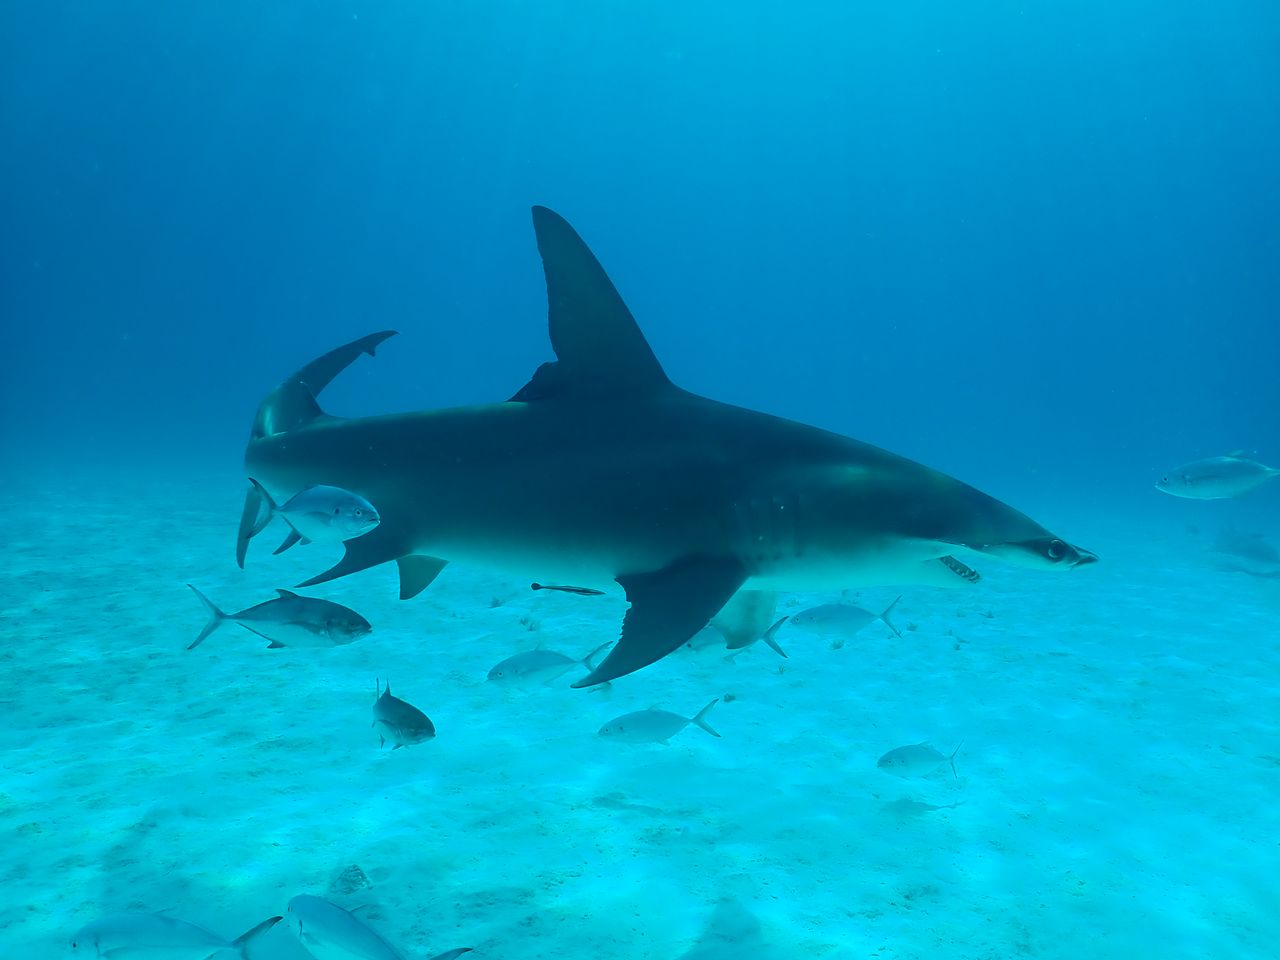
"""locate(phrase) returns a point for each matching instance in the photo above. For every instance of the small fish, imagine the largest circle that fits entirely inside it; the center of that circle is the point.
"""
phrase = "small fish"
(906, 807)
(328, 931)
(150, 936)
(541, 666)
(1253, 547)
(290, 620)
(400, 722)
(746, 618)
(580, 591)
(319, 514)
(1217, 478)
(916, 760)
(654, 725)
(842, 619)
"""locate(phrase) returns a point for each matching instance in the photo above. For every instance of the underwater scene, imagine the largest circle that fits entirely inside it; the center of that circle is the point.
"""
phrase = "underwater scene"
(640, 480)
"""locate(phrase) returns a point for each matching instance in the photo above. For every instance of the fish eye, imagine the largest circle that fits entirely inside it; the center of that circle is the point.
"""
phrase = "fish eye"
(1056, 550)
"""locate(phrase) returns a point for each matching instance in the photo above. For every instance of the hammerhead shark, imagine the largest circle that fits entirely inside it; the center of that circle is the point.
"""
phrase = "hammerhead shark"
(600, 470)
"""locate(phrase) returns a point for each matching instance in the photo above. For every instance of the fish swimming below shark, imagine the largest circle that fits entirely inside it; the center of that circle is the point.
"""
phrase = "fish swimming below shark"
(153, 936)
(290, 620)
(540, 666)
(398, 720)
(331, 933)
(600, 471)
(655, 725)
(319, 514)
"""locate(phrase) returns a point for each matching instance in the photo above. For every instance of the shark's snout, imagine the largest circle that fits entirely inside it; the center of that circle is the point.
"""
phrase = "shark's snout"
(1084, 556)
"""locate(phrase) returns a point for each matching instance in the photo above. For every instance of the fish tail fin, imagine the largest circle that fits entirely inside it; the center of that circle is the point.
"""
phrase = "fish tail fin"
(216, 619)
(952, 759)
(701, 718)
(771, 642)
(241, 943)
(293, 537)
(884, 618)
(452, 954)
(264, 516)
(587, 660)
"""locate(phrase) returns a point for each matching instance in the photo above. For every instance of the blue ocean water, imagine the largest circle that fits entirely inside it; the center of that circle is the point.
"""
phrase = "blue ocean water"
(1033, 245)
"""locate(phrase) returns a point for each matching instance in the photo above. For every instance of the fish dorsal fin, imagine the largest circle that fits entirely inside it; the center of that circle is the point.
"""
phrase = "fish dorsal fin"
(600, 350)
(287, 594)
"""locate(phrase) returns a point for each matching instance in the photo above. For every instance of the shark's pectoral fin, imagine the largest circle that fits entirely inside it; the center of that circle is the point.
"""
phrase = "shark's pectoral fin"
(293, 537)
(668, 606)
(417, 572)
(382, 545)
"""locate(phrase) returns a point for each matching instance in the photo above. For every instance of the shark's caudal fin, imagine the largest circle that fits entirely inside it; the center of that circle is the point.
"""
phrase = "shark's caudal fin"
(600, 350)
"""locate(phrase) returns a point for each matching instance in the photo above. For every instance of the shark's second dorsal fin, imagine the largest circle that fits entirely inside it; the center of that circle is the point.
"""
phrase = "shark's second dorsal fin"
(293, 403)
(600, 350)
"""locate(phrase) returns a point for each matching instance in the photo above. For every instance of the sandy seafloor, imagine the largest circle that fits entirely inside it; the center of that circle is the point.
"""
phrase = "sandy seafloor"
(1117, 795)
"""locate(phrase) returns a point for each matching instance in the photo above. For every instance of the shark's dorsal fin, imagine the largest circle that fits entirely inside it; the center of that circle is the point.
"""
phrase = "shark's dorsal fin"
(600, 350)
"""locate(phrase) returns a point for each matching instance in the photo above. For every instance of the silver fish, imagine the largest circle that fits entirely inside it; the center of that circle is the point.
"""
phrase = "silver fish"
(541, 666)
(290, 620)
(331, 933)
(654, 725)
(150, 936)
(916, 760)
(398, 721)
(1253, 547)
(842, 619)
(1217, 478)
(319, 514)
(746, 618)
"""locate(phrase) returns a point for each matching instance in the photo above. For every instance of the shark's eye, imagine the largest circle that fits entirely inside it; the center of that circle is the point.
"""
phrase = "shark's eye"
(1056, 550)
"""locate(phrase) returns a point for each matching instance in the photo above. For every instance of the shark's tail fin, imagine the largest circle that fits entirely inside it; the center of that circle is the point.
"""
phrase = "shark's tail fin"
(952, 759)
(884, 618)
(700, 718)
(216, 619)
(241, 943)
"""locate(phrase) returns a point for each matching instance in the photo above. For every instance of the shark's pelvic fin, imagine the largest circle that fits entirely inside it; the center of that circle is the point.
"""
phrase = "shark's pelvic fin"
(417, 572)
(600, 350)
(668, 607)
